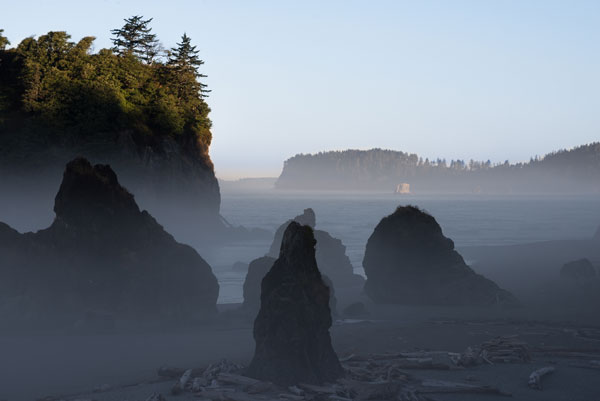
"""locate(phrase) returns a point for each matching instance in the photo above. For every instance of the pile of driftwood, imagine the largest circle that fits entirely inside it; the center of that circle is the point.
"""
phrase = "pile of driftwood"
(375, 376)
(506, 349)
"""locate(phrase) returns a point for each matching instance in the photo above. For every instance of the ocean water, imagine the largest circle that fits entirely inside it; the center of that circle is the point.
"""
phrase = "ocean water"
(351, 217)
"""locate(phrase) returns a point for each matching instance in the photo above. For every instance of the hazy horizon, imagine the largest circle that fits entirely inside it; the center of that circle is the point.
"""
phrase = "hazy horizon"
(461, 80)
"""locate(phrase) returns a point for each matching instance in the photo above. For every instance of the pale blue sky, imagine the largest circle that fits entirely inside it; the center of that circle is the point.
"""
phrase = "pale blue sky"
(456, 79)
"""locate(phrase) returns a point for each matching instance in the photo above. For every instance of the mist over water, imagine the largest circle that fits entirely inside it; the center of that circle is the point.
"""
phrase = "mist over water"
(468, 220)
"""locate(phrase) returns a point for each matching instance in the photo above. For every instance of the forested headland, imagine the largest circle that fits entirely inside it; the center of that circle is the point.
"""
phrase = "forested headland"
(575, 170)
(137, 106)
(58, 91)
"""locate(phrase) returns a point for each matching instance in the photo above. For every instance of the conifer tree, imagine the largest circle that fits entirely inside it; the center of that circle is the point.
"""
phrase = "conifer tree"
(136, 38)
(185, 61)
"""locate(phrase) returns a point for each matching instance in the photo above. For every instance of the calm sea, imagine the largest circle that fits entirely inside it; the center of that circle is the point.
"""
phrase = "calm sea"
(468, 220)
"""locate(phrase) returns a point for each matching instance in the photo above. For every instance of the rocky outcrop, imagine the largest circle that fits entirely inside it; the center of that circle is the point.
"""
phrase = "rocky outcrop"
(330, 253)
(578, 270)
(408, 260)
(292, 327)
(307, 218)
(257, 270)
(162, 172)
(101, 255)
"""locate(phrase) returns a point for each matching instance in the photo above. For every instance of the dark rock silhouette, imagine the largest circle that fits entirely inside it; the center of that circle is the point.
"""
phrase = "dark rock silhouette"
(101, 255)
(292, 327)
(257, 270)
(307, 218)
(579, 270)
(330, 253)
(409, 261)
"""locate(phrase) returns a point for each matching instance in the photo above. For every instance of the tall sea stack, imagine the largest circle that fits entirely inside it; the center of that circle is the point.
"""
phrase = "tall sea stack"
(292, 327)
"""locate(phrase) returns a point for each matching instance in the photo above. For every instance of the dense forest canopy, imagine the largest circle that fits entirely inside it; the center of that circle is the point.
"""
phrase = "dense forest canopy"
(384, 169)
(60, 92)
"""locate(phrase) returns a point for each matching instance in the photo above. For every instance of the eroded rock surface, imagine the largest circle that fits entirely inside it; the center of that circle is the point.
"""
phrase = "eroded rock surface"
(101, 255)
(408, 260)
(330, 253)
(292, 327)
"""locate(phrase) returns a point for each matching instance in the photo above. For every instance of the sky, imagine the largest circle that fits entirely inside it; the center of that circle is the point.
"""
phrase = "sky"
(480, 80)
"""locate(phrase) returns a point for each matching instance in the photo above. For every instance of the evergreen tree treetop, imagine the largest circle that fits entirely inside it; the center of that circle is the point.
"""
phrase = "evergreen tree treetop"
(71, 95)
(185, 61)
(136, 38)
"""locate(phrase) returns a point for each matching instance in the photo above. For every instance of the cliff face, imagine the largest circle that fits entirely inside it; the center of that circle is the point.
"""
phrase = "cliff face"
(60, 99)
(100, 255)
(174, 180)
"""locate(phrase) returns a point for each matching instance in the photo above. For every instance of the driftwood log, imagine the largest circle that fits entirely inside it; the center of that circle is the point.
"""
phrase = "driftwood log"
(430, 386)
(181, 384)
(535, 378)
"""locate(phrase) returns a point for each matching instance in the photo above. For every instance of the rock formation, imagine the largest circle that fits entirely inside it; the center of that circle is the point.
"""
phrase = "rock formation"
(307, 218)
(330, 253)
(409, 261)
(101, 255)
(292, 327)
(578, 270)
(257, 270)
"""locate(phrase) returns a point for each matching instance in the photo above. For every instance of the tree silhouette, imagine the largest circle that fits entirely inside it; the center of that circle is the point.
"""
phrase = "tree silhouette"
(136, 38)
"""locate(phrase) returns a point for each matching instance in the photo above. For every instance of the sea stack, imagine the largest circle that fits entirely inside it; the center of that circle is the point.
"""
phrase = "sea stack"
(101, 255)
(330, 253)
(292, 327)
(408, 260)
(578, 270)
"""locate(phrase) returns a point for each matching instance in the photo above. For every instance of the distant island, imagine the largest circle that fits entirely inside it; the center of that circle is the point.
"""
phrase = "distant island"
(565, 171)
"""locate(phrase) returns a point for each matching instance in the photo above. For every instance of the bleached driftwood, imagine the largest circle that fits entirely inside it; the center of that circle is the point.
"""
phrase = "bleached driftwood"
(419, 363)
(574, 353)
(506, 349)
(397, 355)
(430, 386)
(535, 378)
(180, 384)
(232, 378)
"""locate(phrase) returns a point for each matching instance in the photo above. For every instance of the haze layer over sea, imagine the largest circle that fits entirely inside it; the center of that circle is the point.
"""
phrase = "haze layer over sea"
(469, 220)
